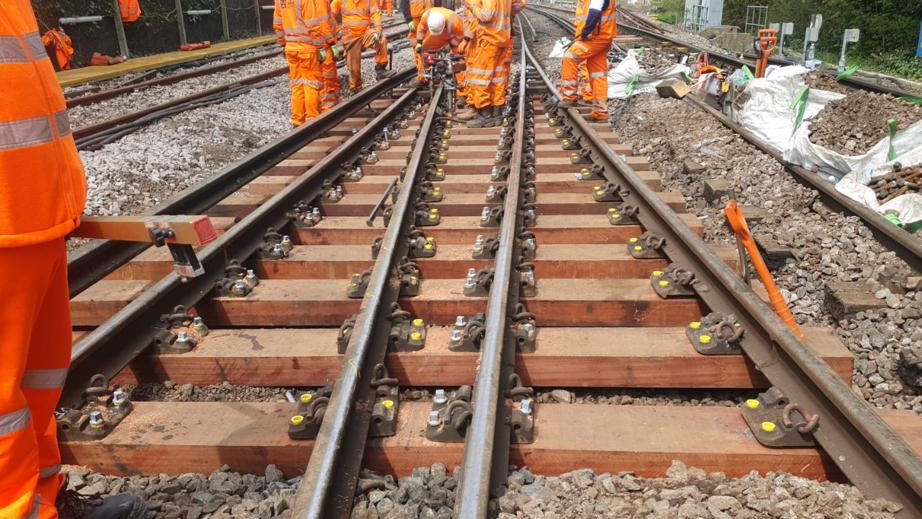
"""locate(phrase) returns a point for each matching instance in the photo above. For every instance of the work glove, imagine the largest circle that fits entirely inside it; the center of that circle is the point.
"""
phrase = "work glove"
(462, 47)
(323, 55)
(419, 48)
(411, 26)
(377, 37)
(337, 52)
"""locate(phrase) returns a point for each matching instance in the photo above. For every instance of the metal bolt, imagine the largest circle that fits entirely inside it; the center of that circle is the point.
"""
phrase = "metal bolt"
(119, 397)
(198, 321)
(529, 328)
(460, 321)
(182, 337)
(456, 335)
(434, 420)
(525, 406)
(440, 397)
(240, 287)
(286, 240)
(316, 212)
(96, 419)
(491, 191)
(485, 214)
(277, 250)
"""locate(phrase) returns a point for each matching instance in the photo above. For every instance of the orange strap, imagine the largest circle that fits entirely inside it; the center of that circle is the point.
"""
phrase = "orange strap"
(738, 223)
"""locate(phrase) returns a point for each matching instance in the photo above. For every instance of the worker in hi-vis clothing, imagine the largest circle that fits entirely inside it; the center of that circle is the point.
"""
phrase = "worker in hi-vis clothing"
(329, 94)
(470, 34)
(439, 27)
(486, 73)
(360, 30)
(596, 28)
(412, 11)
(42, 195)
(307, 31)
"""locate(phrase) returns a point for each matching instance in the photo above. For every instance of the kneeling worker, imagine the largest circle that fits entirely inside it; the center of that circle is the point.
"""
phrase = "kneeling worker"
(596, 28)
(439, 27)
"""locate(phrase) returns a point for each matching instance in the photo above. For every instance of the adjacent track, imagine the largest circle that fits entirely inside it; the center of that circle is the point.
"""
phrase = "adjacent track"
(565, 300)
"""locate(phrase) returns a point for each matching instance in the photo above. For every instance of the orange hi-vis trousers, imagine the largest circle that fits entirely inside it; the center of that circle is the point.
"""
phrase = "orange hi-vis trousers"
(486, 76)
(411, 37)
(306, 80)
(354, 44)
(595, 54)
(35, 344)
(585, 85)
(329, 95)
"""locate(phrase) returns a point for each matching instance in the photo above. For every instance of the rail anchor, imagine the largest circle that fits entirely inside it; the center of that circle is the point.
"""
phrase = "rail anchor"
(715, 334)
(775, 421)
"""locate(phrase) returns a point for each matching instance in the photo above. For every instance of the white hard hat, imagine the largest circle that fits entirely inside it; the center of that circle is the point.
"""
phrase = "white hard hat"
(436, 22)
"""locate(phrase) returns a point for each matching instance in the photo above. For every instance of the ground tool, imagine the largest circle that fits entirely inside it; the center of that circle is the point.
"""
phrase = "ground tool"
(764, 46)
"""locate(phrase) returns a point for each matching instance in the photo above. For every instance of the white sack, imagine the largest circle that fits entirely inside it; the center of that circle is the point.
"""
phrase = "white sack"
(620, 76)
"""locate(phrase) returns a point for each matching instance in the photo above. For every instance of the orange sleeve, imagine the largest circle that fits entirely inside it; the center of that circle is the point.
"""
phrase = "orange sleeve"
(277, 22)
(376, 14)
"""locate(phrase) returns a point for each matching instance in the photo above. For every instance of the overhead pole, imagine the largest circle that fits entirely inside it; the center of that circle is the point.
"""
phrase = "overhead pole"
(120, 30)
(181, 23)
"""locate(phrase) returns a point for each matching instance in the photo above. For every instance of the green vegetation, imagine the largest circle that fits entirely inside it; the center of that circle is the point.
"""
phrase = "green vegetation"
(889, 28)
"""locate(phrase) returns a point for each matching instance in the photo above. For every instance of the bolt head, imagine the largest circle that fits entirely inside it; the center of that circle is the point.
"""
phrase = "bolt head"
(182, 336)
(525, 406)
(434, 420)
(440, 396)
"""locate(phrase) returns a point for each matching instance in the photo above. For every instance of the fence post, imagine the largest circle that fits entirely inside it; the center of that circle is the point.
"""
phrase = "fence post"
(224, 25)
(181, 22)
(120, 30)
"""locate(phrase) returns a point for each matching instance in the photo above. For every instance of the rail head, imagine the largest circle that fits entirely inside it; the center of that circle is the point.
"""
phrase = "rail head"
(487, 439)
(120, 339)
(329, 480)
(867, 450)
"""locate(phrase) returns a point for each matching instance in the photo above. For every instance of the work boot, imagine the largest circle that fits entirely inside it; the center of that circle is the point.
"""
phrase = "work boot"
(381, 72)
(72, 505)
(466, 115)
(484, 119)
(583, 102)
(563, 104)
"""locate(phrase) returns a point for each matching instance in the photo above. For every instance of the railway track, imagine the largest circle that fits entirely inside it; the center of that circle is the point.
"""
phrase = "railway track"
(536, 254)
(97, 135)
(906, 246)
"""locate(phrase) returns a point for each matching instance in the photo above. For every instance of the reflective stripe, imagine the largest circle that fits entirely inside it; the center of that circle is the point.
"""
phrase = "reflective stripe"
(568, 83)
(595, 75)
(12, 422)
(570, 55)
(354, 23)
(33, 510)
(62, 123)
(481, 71)
(355, 11)
(277, 19)
(47, 472)
(481, 82)
(44, 378)
(12, 50)
(315, 84)
(306, 39)
(500, 79)
(25, 132)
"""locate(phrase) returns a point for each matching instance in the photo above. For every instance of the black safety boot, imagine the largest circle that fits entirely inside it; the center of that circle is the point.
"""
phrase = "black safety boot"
(72, 505)
(484, 119)
(381, 72)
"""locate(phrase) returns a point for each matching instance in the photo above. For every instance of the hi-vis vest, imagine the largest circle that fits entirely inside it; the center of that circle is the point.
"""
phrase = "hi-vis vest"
(607, 27)
(308, 22)
(42, 188)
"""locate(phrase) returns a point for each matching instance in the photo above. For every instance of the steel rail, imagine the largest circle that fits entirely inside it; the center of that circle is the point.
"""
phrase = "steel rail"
(486, 444)
(905, 245)
(94, 261)
(168, 80)
(854, 82)
(864, 447)
(328, 485)
(115, 343)
(85, 136)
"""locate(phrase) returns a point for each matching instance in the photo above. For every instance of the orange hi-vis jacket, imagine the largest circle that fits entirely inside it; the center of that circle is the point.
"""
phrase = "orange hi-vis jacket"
(130, 10)
(454, 27)
(418, 7)
(607, 27)
(494, 22)
(304, 22)
(470, 21)
(42, 187)
(358, 16)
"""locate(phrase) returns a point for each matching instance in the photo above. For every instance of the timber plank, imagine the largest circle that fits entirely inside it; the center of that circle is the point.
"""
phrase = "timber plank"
(173, 437)
(560, 302)
(103, 299)
(463, 230)
(564, 357)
